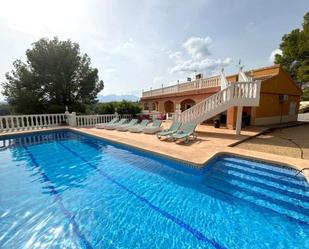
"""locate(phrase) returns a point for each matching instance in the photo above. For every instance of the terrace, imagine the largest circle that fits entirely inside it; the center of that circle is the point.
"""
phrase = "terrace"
(198, 83)
(210, 141)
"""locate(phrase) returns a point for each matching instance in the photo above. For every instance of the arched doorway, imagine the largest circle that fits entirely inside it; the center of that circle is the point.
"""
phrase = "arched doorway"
(169, 107)
(186, 104)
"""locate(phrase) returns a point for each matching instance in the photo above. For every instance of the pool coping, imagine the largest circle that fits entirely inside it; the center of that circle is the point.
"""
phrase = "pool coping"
(217, 151)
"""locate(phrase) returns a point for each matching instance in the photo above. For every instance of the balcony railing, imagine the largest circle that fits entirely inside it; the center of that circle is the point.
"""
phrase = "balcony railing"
(186, 86)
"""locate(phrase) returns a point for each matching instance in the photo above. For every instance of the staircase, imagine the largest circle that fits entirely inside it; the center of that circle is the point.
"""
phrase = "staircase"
(268, 188)
(235, 94)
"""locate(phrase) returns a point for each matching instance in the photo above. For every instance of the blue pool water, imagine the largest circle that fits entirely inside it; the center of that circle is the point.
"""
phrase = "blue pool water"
(67, 190)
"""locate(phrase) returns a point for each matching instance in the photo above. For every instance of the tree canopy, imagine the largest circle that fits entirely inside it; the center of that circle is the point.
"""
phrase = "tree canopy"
(122, 107)
(305, 96)
(295, 52)
(55, 75)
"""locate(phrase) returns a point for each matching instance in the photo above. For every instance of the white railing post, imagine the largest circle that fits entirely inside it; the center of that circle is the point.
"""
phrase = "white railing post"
(178, 113)
(71, 119)
(257, 91)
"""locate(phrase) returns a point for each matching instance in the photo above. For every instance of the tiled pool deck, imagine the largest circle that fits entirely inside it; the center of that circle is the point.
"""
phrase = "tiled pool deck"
(210, 143)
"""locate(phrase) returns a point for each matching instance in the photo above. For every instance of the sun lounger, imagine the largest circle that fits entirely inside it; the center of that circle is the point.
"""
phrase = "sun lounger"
(154, 128)
(140, 127)
(102, 125)
(115, 125)
(185, 132)
(166, 133)
(125, 127)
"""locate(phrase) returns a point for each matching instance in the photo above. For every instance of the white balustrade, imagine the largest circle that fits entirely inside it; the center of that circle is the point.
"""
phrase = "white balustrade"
(39, 121)
(92, 120)
(186, 86)
(237, 94)
(31, 122)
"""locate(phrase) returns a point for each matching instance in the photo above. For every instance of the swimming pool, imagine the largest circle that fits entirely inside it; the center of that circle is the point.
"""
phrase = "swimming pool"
(67, 190)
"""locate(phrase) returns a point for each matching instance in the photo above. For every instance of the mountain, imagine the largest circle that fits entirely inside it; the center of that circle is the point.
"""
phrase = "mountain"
(114, 97)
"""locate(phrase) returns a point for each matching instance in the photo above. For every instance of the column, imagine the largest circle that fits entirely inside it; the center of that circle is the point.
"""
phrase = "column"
(239, 120)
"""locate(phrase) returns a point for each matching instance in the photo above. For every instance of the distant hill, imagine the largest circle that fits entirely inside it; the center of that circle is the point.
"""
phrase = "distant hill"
(114, 97)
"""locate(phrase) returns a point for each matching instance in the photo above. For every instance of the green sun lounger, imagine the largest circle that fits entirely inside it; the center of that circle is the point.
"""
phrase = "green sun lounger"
(166, 133)
(115, 125)
(127, 126)
(139, 127)
(185, 132)
(103, 125)
(154, 128)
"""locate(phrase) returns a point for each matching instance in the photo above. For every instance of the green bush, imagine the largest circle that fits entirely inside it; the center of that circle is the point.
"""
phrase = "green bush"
(305, 96)
(123, 107)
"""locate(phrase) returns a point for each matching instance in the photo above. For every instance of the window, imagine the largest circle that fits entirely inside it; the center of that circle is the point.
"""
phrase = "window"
(146, 107)
(292, 108)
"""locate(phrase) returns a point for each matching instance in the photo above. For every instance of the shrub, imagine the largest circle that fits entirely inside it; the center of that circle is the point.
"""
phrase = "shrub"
(123, 107)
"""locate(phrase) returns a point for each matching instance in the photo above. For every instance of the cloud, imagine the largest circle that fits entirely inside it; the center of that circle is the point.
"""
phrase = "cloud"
(198, 47)
(176, 56)
(123, 47)
(207, 64)
(273, 54)
(198, 57)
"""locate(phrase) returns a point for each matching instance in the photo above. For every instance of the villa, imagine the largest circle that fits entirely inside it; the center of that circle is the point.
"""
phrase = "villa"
(128, 125)
(107, 181)
(278, 90)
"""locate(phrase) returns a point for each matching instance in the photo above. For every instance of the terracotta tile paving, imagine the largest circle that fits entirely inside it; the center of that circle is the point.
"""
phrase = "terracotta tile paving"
(210, 142)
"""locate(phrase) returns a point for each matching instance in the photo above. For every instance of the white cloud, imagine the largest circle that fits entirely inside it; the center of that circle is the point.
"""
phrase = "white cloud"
(273, 54)
(125, 46)
(198, 47)
(176, 56)
(207, 64)
(198, 50)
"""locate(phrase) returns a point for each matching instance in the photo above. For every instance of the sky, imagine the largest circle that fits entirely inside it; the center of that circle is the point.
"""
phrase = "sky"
(138, 44)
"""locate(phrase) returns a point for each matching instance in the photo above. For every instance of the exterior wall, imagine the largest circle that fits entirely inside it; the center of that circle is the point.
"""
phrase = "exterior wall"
(196, 95)
(275, 82)
(275, 120)
(271, 106)
(271, 110)
(231, 116)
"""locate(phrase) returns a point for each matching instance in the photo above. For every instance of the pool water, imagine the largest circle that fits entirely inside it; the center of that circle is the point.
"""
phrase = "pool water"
(67, 190)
